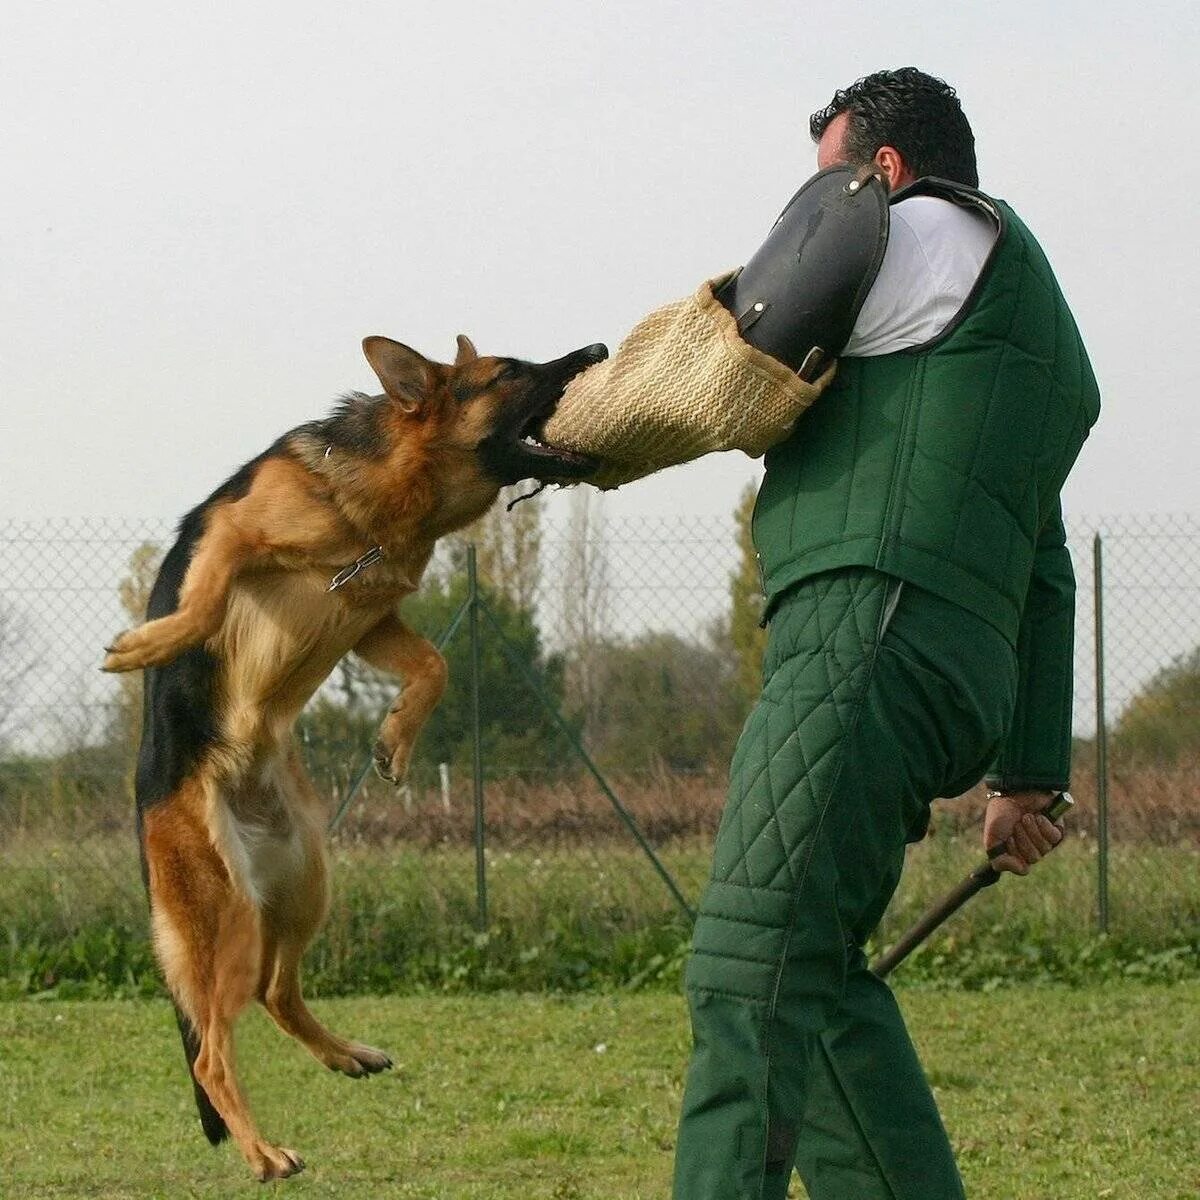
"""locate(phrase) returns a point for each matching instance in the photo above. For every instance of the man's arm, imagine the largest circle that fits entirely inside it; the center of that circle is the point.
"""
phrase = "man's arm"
(1036, 754)
(1035, 759)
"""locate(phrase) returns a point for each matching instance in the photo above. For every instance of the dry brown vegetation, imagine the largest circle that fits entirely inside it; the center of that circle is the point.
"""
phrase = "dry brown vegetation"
(1160, 805)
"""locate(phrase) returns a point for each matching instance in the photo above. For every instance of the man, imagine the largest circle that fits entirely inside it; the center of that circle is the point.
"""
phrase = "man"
(921, 601)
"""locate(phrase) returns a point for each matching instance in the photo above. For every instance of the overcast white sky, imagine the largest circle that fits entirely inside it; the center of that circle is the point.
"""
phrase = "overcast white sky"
(205, 208)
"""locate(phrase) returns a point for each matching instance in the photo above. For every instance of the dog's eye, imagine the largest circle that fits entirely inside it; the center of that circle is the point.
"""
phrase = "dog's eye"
(509, 371)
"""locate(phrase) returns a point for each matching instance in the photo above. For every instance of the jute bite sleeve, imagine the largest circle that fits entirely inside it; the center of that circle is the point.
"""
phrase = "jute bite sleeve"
(681, 385)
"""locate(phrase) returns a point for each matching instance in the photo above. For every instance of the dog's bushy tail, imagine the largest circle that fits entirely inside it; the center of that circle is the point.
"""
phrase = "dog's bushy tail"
(211, 1121)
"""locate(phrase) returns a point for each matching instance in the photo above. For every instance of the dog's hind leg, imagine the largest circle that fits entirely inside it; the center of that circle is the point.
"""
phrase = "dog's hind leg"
(284, 1000)
(208, 938)
(392, 646)
(291, 917)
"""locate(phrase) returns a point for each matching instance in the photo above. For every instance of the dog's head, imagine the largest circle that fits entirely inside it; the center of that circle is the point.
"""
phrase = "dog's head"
(493, 407)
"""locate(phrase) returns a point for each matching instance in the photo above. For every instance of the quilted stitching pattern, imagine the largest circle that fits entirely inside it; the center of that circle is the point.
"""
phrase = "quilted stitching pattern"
(818, 663)
(830, 778)
(786, 757)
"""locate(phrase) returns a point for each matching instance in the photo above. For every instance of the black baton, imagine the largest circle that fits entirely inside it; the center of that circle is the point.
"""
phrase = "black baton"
(983, 876)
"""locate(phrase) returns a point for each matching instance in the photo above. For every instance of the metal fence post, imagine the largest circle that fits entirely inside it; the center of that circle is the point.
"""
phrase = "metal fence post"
(476, 741)
(1101, 738)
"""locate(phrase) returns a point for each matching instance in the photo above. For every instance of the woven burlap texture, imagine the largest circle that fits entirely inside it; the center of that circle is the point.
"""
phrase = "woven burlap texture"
(682, 384)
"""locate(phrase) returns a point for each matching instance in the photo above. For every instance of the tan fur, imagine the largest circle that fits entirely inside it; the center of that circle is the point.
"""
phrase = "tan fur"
(236, 854)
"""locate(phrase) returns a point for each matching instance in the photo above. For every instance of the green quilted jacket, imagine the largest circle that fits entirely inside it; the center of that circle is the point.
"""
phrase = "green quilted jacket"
(942, 465)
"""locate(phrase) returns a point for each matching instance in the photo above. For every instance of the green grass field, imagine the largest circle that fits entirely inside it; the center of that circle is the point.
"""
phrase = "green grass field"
(1050, 1094)
(575, 918)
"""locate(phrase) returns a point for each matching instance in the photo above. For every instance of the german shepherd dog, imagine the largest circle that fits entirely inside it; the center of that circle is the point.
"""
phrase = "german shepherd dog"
(243, 626)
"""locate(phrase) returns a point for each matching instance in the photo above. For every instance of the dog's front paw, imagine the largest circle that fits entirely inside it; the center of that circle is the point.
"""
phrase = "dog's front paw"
(151, 645)
(125, 654)
(391, 762)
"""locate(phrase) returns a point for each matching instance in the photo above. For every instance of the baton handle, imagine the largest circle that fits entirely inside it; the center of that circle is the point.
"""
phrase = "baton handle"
(981, 877)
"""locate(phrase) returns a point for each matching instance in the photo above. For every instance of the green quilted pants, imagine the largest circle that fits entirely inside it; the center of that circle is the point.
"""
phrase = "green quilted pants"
(878, 697)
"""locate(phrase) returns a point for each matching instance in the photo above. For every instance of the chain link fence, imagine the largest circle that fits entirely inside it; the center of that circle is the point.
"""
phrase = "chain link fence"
(1137, 714)
(615, 662)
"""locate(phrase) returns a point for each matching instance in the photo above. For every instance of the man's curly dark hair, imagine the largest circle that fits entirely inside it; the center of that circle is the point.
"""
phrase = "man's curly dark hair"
(917, 114)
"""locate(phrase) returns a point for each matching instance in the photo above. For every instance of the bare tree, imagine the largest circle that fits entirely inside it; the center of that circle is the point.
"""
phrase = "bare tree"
(17, 660)
(508, 549)
(134, 593)
(585, 604)
(747, 638)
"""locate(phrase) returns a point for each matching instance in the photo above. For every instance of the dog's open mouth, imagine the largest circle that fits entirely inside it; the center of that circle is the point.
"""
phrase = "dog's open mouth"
(532, 441)
(524, 452)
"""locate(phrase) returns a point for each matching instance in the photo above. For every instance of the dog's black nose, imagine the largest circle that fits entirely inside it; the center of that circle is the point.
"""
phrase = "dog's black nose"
(595, 353)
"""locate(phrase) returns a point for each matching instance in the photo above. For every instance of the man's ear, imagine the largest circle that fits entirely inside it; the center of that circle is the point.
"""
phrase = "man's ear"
(896, 172)
(466, 351)
(406, 375)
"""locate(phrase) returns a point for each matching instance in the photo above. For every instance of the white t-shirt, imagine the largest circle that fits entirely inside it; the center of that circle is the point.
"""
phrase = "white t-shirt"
(935, 252)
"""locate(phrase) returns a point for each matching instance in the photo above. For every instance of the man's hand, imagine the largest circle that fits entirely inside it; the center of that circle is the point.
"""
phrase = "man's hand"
(1015, 821)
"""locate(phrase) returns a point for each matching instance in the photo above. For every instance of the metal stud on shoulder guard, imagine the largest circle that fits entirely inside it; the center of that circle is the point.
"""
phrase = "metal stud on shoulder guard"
(798, 297)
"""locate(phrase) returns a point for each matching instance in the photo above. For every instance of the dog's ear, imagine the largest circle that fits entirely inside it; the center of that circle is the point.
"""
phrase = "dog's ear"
(407, 376)
(466, 351)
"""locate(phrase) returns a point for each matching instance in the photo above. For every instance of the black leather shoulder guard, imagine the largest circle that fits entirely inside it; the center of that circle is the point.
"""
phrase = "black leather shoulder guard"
(797, 299)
